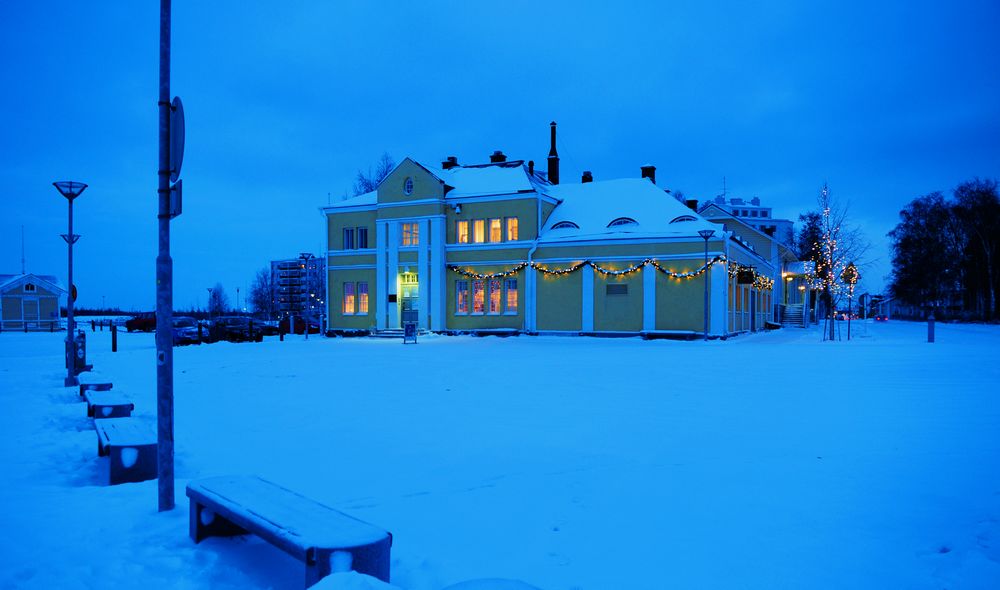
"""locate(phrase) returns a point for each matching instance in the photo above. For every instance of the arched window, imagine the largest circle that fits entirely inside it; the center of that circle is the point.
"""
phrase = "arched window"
(682, 218)
(408, 186)
(623, 221)
(565, 225)
(29, 288)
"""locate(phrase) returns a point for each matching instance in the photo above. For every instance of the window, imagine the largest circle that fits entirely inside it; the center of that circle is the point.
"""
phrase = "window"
(511, 288)
(512, 229)
(753, 213)
(617, 289)
(478, 298)
(29, 288)
(348, 306)
(348, 238)
(408, 186)
(462, 232)
(362, 237)
(623, 221)
(363, 298)
(565, 225)
(496, 233)
(496, 296)
(479, 231)
(682, 218)
(411, 234)
(461, 297)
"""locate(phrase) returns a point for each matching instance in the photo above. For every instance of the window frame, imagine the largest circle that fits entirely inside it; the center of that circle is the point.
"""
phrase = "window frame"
(348, 238)
(508, 227)
(462, 286)
(357, 294)
(408, 186)
(622, 221)
(482, 289)
(498, 221)
(459, 224)
(494, 285)
(358, 232)
(506, 296)
(353, 296)
(478, 231)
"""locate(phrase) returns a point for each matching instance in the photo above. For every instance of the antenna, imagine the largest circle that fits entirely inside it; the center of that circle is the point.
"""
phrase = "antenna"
(327, 198)
(22, 250)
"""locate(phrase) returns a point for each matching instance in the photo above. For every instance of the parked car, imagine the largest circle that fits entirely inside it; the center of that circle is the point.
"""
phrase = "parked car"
(238, 329)
(143, 322)
(186, 331)
(269, 327)
(298, 326)
(881, 318)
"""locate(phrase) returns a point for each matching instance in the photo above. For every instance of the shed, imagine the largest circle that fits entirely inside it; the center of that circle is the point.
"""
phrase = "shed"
(29, 299)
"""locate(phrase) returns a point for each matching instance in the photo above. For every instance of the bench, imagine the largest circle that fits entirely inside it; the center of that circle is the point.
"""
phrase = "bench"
(107, 404)
(325, 540)
(130, 445)
(94, 387)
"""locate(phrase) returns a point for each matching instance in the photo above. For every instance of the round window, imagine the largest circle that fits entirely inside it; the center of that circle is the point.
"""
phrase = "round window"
(408, 186)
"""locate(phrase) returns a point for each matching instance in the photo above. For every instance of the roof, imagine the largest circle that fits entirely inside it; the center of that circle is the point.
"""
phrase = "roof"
(49, 281)
(593, 205)
(497, 179)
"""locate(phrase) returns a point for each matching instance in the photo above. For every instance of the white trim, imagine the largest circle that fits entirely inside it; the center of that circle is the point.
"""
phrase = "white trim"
(408, 203)
(413, 217)
(457, 247)
(381, 263)
(503, 197)
(357, 252)
(423, 274)
(589, 241)
(587, 300)
(699, 256)
(649, 297)
(351, 267)
(438, 287)
(484, 263)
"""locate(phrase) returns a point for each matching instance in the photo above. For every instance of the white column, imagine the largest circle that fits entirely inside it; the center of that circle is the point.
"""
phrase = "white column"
(530, 301)
(718, 283)
(392, 274)
(381, 238)
(423, 272)
(588, 299)
(648, 298)
(438, 285)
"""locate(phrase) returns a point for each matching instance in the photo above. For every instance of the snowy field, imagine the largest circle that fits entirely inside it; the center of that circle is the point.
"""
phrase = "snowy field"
(768, 461)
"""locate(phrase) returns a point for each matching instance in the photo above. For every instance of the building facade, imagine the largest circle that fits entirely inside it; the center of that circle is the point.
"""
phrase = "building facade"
(755, 215)
(500, 247)
(299, 287)
(29, 301)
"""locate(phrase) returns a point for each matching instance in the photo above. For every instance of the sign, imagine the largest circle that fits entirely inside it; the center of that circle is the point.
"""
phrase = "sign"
(176, 138)
(72, 292)
(175, 200)
(744, 277)
(409, 332)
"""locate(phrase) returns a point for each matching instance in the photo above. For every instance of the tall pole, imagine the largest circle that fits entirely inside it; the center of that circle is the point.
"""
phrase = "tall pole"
(164, 285)
(70, 326)
(706, 290)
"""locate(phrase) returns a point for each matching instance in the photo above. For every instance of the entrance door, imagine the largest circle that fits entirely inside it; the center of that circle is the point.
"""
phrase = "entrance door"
(29, 311)
(753, 311)
(409, 296)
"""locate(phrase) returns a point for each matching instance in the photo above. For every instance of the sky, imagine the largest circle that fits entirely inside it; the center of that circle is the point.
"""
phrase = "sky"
(285, 101)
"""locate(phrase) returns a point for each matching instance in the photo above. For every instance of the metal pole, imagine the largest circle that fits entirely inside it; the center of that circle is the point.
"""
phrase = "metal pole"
(164, 285)
(706, 290)
(70, 332)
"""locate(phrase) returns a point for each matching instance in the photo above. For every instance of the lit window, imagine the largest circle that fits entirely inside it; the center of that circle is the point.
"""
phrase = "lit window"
(511, 286)
(478, 297)
(348, 308)
(495, 296)
(462, 229)
(623, 221)
(411, 234)
(362, 297)
(348, 238)
(362, 237)
(462, 297)
(479, 231)
(408, 186)
(496, 233)
(512, 229)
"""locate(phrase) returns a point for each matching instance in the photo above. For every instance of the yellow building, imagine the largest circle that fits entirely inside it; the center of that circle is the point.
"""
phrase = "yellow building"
(29, 301)
(500, 247)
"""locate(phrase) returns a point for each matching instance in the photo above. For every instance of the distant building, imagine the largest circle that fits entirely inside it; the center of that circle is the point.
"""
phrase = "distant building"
(756, 216)
(29, 300)
(298, 287)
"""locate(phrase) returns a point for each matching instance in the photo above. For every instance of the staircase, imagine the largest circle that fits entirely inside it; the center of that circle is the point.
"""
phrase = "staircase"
(792, 316)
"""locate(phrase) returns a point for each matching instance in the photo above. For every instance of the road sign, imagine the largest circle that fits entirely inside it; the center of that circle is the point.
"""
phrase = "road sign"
(176, 138)
(72, 292)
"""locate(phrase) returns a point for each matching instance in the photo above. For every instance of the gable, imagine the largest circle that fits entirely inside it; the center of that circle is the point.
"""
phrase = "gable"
(423, 183)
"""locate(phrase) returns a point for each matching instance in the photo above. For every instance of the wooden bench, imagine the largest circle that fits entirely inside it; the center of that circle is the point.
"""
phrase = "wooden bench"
(107, 404)
(324, 539)
(130, 445)
(94, 387)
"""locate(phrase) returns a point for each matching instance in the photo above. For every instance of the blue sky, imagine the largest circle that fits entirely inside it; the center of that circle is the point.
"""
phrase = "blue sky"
(285, 101)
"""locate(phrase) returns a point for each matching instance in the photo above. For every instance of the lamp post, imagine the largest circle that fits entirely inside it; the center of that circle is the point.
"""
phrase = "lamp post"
(705, 235)
(305, 257)
(70, 190)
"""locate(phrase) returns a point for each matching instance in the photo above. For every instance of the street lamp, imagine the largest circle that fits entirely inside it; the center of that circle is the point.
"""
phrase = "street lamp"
(705, 235)
(305, 257)
(70, 190)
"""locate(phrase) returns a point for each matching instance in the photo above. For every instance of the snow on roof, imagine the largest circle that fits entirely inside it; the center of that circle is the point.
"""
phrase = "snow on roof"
(468, 181)
(366, 199)
(53, 282)
(594, 205)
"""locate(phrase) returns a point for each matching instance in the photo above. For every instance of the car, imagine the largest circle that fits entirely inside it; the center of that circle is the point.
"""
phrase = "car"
(143, 322)
(881, 318)
(269, 327)
(186, 331)
(298, 326)
(238, 329)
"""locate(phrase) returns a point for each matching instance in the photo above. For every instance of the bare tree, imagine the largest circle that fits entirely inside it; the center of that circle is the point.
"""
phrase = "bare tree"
(978, 208)
(262, 294)
(366, 182)
(218, 301)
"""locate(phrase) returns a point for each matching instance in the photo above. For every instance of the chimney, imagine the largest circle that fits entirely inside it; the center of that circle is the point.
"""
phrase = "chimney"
(649, 172)
(587, 176)
(449, 163)
(692, 204)
(553, 157)
(497, 157)
(531, 167)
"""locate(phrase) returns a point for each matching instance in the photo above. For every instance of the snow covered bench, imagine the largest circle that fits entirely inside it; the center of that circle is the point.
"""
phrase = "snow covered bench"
(94, 387)
(107, 404)
(324, 539)
(130, 445)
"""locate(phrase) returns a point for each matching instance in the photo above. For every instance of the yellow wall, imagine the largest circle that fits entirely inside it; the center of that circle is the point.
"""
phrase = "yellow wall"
(515, 255)
(617, 313)
(560, 305)
(525, 210)
(628, 250)
(484, 322)
(336, 223)
(338, 320)
(680, 303)
(425, 185)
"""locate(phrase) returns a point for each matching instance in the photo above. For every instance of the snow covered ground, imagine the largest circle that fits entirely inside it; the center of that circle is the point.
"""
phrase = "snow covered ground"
(568, 463)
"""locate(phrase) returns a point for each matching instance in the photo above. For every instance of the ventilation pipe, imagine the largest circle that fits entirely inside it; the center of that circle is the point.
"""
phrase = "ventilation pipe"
(649, 172)
(498, 156)
(587, 176)
(449, 163)
(553, 157)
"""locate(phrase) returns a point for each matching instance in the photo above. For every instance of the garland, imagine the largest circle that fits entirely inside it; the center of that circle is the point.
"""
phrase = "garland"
(760, 282)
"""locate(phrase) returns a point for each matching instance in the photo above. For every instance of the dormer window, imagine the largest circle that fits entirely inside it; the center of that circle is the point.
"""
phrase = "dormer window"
(408, 186)
(682, 218)
(565, 225)
(623, 221)
(29, 288)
